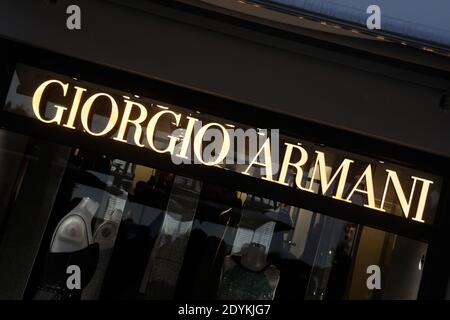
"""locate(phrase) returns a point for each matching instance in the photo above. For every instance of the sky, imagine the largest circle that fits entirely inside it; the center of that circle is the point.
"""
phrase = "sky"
(428, 20)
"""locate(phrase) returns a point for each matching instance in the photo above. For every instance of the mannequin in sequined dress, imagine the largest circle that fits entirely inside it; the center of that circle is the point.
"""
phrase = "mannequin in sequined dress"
(248, 277)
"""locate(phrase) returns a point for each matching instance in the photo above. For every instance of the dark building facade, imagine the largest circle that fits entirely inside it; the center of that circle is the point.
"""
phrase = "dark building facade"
(107, 168)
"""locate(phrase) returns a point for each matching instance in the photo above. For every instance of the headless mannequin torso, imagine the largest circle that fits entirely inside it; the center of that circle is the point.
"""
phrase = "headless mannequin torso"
(71, 244)
(250, 277)
(74, 231)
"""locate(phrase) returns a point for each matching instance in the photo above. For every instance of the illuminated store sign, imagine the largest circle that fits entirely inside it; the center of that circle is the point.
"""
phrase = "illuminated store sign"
(411, 194)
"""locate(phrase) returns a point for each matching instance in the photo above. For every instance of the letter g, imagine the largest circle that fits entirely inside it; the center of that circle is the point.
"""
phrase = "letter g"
(36, 101)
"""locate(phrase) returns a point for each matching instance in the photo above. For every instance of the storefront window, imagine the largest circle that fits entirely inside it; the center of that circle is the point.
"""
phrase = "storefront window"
(138, 232)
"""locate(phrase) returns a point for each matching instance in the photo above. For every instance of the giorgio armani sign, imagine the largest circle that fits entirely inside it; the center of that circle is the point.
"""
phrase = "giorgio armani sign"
(125, 118)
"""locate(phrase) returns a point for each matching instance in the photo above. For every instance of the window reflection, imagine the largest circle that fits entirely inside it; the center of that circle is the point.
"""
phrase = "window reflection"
(141, 233)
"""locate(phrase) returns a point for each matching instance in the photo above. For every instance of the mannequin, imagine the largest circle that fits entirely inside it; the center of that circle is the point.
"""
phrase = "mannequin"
(105, 235)
(74, 231)
(250, 277)
(72, 244)
(106, 232)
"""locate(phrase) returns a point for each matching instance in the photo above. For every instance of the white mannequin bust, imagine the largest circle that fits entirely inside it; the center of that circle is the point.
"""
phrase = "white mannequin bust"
(74, 232)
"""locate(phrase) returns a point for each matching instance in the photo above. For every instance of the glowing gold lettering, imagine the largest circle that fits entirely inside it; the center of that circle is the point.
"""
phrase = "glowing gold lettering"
(187, 138)
(36, 101)
(152, 127)
(267, 164)
(136, 122)
(406, 204)
(298, 165)
(198, 140)
(369, 191)
(324, 183)
(112, 119)
(74, 108)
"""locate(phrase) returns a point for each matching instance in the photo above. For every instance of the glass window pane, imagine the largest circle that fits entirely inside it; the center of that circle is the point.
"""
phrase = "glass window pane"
(137, 232)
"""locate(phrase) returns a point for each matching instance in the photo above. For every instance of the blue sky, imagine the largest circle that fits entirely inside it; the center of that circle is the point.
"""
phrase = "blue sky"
(424, 19)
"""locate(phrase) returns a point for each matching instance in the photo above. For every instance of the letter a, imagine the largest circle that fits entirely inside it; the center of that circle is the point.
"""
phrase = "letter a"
(374, 280)
(374, 20)
(74, 20)
(74, 280)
